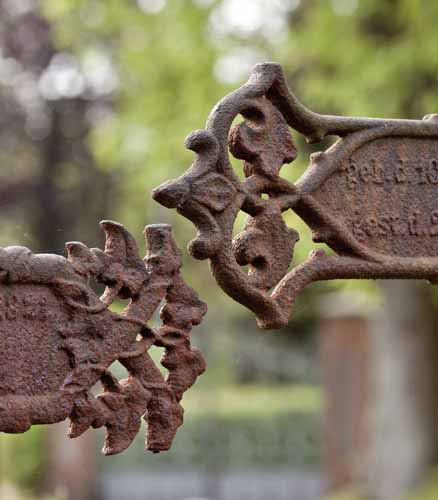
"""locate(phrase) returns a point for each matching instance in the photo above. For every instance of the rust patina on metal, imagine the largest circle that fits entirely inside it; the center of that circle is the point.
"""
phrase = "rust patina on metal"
(371, 197)
(58, 338)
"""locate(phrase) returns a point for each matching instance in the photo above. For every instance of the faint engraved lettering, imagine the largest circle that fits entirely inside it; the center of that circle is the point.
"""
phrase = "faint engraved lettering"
(396, 227)
(432, 174)
(386, 174)
(377, 172)
(366, 173)
(416, 224)
(2, 308)
(400, 172)
(12, 308)
(29, 309)
(351, 175)
(434, 222)
(384, 226)
(421, 174)
(371, 226)
(413, 223)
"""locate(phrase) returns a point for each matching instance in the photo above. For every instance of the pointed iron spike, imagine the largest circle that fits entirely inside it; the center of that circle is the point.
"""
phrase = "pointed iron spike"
(115, 243)
(120, 245)
(77, 250)
(162, 249)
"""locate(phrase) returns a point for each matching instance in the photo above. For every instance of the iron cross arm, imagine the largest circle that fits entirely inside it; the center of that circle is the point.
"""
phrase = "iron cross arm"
(371, 197)
(58, 338)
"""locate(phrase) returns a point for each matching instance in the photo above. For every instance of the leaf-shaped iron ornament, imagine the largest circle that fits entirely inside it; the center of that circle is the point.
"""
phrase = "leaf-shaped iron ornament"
(371, 197)
(58, 338)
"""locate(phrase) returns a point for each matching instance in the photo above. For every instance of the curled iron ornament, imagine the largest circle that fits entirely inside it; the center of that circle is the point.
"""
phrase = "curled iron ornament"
(371, 197)
(58, 338)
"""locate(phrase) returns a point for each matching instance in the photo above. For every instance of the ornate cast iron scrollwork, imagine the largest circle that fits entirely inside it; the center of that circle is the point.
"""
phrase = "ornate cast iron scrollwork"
(58, 338)
(371, 197)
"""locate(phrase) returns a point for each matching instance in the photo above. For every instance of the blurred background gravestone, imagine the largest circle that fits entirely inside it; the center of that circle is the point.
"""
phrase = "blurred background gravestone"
(345, 359)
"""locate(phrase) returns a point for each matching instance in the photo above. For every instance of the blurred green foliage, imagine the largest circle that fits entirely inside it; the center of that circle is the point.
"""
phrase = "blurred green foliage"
(22, 461)
(261, 400)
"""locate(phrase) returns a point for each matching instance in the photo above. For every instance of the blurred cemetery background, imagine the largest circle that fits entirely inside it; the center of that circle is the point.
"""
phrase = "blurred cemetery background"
(96, 98)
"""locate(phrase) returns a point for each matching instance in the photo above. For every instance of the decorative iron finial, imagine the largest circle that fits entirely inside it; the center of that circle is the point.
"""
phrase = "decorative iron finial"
(371, 197)
(58, 338)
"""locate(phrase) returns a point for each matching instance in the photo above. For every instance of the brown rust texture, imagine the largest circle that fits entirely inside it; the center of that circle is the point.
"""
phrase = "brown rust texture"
(58, 338)
(371, 197)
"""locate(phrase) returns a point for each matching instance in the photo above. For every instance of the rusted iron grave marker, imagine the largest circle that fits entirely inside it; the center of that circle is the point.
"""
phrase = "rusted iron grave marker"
(371, 197)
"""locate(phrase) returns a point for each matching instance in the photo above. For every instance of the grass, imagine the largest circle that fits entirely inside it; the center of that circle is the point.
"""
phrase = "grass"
(249, 400)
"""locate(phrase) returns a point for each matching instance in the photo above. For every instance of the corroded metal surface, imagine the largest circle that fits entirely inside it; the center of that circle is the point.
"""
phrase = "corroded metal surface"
(371, 197)
(58, 338)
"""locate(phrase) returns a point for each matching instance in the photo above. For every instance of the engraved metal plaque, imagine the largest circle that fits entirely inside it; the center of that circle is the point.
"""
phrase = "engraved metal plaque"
(371, 197)
(386, 195)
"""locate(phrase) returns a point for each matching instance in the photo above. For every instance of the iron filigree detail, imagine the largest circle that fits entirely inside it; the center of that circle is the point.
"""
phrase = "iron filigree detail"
(371, 197)
(58, 338)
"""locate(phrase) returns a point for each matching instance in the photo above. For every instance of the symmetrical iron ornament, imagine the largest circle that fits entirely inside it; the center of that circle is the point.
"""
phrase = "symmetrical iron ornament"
(58, 338)
(371, 197)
